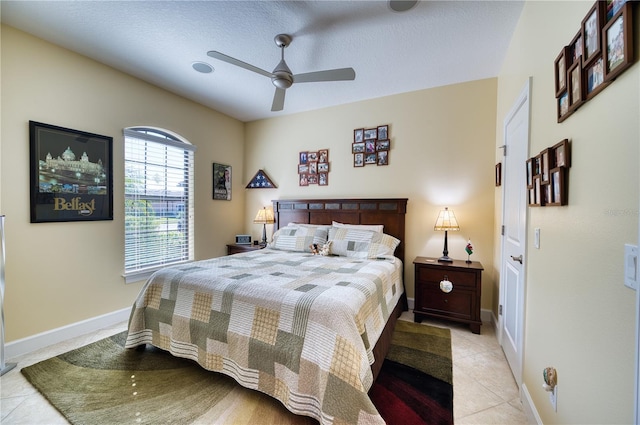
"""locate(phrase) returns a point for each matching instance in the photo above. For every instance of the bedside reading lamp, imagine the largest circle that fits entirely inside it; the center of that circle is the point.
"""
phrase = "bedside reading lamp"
(446, 221)
(264, 217)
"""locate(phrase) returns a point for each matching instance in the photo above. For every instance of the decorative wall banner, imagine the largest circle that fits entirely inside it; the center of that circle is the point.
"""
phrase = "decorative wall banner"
(71, 174)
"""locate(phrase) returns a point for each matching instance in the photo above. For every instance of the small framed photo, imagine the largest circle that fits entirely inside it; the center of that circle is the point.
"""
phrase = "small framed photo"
(303, 168)
(358, 135)
(575, 49)
(382, 145)
(594, 78)
(71, 174)
(357, 147)
(313, 178)
(382, 158)
(613, 6)
(313, 167)
(303, 157)
(530, 173)
(538, 190)
(498, 174)
(545, 159)
(560, 67)
(323, 155)
(383, 132)
(536, 165)
(563, 107)
(558, 194)
(323, 179)
(575, 86)
(370, 133)
(370, 158)
(618, 43)
(561, 153)
(312, 156)
(303, 179)
(591, 33)
(358, 159)
(323, 167)
(370, 146)
(531, 195)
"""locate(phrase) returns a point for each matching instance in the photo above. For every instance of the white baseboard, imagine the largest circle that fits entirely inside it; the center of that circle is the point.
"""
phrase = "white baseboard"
(36, 342)
(529, 407)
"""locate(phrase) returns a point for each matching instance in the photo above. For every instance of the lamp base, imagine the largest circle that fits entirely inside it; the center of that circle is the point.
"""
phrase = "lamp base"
(445, 259)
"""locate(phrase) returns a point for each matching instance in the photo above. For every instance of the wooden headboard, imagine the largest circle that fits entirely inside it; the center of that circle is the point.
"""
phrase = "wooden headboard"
(388, 212)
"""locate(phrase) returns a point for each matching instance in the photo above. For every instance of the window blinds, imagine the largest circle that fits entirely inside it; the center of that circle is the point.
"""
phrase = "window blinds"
(158, 201)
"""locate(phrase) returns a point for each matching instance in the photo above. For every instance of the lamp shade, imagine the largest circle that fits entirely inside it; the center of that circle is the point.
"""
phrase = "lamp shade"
(446, 221)
(264, 216)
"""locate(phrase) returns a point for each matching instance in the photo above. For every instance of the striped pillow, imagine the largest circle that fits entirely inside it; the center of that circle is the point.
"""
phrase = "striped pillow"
(298, 238)
(348, 242)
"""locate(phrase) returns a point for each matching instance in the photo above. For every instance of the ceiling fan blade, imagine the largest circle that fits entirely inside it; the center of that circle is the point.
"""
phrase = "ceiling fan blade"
(341, 74)
(236, 62)
(278, 100)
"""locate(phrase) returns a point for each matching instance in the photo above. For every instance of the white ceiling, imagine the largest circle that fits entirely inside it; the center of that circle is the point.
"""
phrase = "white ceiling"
(433, 44)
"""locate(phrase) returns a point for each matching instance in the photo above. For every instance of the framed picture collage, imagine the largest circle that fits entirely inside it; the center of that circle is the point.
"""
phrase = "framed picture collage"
(313, 167)
(547, 176)
(601, 50)
(371, 146)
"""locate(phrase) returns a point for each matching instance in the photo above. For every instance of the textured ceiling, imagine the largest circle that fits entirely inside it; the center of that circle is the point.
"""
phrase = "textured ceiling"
(433, 44)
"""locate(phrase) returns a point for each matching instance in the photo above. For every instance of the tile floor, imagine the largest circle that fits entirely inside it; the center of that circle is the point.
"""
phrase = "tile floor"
(484, 389)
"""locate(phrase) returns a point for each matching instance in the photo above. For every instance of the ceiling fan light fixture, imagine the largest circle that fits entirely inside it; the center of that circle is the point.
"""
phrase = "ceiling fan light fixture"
(282, 80)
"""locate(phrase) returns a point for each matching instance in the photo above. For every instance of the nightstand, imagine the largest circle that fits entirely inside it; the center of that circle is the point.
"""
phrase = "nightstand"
(461, 304)
(234, 248)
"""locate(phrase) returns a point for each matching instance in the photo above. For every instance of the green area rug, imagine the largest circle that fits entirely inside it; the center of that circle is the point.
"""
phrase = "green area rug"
(104, 383)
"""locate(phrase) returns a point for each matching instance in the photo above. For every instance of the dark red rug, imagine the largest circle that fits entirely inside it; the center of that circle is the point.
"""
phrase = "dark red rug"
(415, 382)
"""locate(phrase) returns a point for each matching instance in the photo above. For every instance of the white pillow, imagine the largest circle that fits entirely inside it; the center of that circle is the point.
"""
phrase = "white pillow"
(373, 227)
(298, 238)
(361, 243)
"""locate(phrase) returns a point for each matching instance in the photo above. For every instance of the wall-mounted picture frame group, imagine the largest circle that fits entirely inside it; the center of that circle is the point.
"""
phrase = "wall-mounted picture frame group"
(600, 51)
(313, 167)
(371, 146)
(221, 182)
(547, 175)
(71, 174)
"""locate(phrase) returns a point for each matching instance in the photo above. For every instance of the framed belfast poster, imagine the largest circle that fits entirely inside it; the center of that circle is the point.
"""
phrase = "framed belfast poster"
(71, 174)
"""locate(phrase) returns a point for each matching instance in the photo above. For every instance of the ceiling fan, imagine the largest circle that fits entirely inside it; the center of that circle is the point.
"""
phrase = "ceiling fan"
(282, 78)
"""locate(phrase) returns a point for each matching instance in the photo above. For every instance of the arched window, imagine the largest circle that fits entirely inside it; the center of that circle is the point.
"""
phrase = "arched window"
(158, 199)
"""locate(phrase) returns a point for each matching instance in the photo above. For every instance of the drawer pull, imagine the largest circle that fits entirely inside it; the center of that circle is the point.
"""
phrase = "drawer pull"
(446, 286)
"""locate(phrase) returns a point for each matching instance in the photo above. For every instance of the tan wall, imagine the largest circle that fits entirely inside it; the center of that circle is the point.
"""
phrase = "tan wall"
(62, 273)
(580, 318)
(442, 143)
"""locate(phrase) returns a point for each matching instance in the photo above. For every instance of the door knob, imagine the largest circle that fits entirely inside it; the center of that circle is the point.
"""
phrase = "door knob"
(518, 258)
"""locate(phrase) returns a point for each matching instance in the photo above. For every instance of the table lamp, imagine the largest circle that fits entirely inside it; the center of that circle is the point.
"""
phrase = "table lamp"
(446, 221)
(264, 217)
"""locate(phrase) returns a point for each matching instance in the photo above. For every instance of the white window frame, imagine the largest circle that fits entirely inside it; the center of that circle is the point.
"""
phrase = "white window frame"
(142, 260)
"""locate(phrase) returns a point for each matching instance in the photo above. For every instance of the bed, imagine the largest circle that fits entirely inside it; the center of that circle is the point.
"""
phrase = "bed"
(309, 330)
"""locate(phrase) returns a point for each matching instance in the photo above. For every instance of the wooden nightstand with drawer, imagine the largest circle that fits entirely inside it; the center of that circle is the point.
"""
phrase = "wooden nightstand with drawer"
(235, 248)
(461, 303)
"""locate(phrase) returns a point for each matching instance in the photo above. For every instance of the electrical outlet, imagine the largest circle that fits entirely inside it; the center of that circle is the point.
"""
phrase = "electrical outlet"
(553, 398)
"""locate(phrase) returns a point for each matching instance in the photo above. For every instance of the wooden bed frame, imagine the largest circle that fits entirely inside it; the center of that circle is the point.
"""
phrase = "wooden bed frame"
(388, 212)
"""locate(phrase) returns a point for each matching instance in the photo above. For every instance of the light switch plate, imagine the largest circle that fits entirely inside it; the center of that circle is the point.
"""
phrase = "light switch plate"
(631, 266)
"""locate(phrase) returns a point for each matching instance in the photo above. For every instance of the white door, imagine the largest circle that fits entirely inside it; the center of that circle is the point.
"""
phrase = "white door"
(514, 221)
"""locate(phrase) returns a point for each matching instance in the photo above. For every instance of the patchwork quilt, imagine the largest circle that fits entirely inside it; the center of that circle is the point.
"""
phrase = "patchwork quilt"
(296, 326)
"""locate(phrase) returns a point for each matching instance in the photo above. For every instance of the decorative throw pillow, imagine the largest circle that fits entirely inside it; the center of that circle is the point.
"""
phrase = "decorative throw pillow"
(361, 243)
(373, 227)
(298, 238)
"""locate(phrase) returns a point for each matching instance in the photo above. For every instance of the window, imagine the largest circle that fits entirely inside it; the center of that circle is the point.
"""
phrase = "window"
(158, 199)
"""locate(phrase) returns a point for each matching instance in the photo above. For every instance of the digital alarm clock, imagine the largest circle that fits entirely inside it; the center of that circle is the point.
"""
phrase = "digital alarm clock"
(243, 239)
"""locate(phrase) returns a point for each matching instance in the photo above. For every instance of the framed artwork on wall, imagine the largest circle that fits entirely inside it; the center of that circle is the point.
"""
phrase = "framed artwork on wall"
(591, 35)
(71, 174)
(221, 182)
(618, 43)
